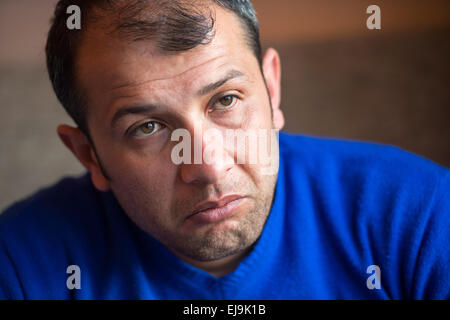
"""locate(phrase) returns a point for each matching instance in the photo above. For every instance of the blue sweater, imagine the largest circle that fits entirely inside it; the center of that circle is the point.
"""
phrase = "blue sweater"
(339, 208)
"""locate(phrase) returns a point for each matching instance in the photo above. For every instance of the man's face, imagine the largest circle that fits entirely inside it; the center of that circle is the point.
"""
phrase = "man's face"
(138, 96)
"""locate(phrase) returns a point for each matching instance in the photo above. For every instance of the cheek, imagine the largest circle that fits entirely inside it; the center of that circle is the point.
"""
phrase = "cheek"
(156, 175)
(145, 182)
(259, 110)
(262, 154)
(145, 161)
(146, 193)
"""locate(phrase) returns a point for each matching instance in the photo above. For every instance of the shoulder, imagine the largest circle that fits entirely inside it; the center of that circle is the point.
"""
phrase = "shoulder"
(360, 162)
(66, 200)
(387, 207)
(70, 211)
(379, 178)
(43, 234)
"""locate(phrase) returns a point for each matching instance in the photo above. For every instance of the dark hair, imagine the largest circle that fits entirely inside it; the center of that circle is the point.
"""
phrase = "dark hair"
(174, 25)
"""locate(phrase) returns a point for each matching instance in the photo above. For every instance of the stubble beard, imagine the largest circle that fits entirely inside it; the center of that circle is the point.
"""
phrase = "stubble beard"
(218, 243)
(210, 244)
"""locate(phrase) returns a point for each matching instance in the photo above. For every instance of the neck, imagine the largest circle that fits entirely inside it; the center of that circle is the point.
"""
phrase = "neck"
(219, 267)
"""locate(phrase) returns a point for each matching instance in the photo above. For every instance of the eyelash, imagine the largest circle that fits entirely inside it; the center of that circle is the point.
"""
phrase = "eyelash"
(161, 126)
(235, 101)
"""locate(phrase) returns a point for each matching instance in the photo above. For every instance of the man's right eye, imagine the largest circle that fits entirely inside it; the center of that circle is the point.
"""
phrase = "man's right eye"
(147, 129)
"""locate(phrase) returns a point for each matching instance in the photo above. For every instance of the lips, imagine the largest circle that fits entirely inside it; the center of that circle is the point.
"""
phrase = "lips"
(215, 210)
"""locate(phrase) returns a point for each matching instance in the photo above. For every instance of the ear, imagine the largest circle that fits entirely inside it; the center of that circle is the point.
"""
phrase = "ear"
(272, 73)
(75, 140)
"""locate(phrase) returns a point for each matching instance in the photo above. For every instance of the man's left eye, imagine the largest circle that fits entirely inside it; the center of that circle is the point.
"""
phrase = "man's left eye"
(225, 102)
(147, 129)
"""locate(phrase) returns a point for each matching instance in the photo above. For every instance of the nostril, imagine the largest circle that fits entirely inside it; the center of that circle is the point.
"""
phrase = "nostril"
(203, 173)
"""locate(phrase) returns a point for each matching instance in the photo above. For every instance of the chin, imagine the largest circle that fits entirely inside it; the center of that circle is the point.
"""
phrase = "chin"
(219, 241)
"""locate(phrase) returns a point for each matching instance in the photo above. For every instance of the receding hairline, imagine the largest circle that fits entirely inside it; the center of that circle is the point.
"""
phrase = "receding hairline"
(103, 20)
(107, 28)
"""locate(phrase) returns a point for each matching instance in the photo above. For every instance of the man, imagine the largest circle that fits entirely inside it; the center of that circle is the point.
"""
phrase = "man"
(335, 219)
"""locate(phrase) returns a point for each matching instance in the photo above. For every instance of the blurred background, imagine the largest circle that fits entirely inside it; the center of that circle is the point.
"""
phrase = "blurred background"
(339, 80)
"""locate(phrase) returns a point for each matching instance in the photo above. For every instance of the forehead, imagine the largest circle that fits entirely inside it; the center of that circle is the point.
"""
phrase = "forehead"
(107, 63)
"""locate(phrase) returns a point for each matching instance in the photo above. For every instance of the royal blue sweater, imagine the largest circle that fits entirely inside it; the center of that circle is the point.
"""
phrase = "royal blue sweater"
(339, 208)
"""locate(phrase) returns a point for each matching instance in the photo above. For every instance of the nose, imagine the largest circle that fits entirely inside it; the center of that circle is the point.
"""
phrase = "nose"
(214, 161)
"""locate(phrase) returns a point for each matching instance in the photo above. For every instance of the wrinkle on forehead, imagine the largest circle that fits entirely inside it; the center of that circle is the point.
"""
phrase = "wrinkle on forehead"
(109, 68)
(136, 84)
(226, 27)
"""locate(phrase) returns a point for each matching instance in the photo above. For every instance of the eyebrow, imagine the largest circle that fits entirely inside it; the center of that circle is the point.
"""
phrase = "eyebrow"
(132, 110)
(150, 108)
(213, 86)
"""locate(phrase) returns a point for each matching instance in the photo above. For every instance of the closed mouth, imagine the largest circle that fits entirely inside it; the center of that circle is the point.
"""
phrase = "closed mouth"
(209, 205)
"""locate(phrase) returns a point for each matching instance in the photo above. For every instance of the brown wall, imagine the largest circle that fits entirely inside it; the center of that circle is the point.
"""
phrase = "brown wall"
(339, 79)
